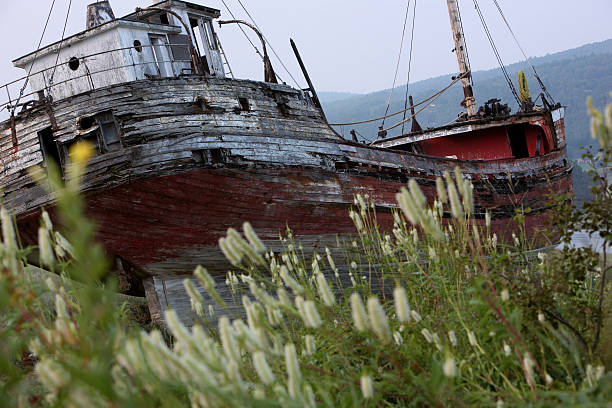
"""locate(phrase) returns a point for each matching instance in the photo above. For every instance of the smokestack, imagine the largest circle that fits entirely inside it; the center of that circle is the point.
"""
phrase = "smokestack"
(98, 13)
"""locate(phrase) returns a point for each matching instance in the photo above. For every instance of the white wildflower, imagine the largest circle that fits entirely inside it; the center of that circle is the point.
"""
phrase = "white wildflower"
(324, 291)
(309, 342)
(456, 208)
(541, 317)
(505, 295)
(459, 179)
(360, 318)
(8, 232)
(311, 314)
(228, 341)
(428, 336)
(468, 197)
(507, 349)
(402, 309)
(452, 337)
(45, 248)
(408, 206)
(378, 319)
(472, 338)
(441, 190)
(291, 362)
(230, 252)
(487, 219)
(289, 281)
(367, 389)
(262, 368)
(432, 254)
(252, 237)
(397, 337)
(548, 379)
(416, 316)
(417, 195)
(528, 364)
(449, 367)
(194, 297)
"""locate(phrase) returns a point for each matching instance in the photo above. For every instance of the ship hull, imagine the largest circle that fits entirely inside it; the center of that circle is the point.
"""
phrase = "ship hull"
(167, 225)
(197, 156)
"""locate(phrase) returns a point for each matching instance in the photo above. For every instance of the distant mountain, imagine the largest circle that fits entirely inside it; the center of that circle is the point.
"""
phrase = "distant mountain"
(570, 76)
(329, 97)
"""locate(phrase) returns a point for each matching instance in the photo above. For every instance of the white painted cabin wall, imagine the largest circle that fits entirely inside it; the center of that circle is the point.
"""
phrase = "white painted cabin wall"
(103, 41)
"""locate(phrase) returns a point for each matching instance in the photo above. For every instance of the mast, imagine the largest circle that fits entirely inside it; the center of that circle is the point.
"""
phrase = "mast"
(462, 58)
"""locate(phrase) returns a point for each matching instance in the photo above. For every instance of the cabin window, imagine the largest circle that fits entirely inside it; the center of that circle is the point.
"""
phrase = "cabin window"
(100, 130)
(86, 122)
(109, 132)
(518, 141)
(137, 46)
(48, 146)
(162, 56)
(210, 35)
(244, 104)
(73, 63)
(163, 18)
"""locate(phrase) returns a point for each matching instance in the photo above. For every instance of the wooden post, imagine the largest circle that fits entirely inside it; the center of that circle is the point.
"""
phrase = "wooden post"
(462, 57)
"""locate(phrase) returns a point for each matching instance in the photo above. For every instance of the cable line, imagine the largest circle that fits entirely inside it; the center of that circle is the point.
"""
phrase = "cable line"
(431, 98)
(247, 37)
(25, 84)
(409, 61)
(59, 49)
(399, 59)
(523, 52)
(499, 60)
(268, 42)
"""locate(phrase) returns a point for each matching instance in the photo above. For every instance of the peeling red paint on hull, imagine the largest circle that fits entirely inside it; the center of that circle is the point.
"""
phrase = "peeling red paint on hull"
(166, 225)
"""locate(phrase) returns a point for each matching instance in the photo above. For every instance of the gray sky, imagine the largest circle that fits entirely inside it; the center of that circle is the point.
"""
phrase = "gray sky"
(347, 45)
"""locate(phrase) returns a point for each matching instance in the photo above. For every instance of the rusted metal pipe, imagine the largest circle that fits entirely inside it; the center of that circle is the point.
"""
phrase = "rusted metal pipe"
(269, 75)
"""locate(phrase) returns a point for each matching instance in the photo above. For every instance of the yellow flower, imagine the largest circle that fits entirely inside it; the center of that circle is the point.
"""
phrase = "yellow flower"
(81, 151)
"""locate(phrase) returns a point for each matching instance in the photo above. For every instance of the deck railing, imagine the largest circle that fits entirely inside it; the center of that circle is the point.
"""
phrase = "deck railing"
(14, 90)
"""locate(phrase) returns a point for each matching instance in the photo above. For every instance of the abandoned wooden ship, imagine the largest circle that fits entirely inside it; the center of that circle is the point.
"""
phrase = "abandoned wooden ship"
(184, 150)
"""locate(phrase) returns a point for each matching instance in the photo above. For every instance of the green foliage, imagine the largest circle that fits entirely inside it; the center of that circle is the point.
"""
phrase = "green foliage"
(436, 312)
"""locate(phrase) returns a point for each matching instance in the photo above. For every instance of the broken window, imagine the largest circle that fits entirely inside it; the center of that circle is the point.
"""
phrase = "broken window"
(161, 53)
(48, 146)
(244, 104)
(100, 130)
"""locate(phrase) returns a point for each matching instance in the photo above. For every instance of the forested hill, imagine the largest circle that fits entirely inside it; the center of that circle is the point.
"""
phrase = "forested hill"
(570, 77)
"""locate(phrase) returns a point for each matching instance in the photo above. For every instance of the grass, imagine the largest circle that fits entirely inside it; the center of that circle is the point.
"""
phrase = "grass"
(432, 313)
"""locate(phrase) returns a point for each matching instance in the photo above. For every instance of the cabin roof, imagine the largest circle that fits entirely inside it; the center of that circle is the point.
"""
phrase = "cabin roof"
(21, 61)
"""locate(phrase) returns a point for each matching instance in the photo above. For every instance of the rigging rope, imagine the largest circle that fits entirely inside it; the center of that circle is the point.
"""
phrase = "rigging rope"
(25, 84)
(399, 59)
(409, 61)
(499, 60)
(59, 49)
(431, 98)
(523, 52)
(245, 34)
(270, 45)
